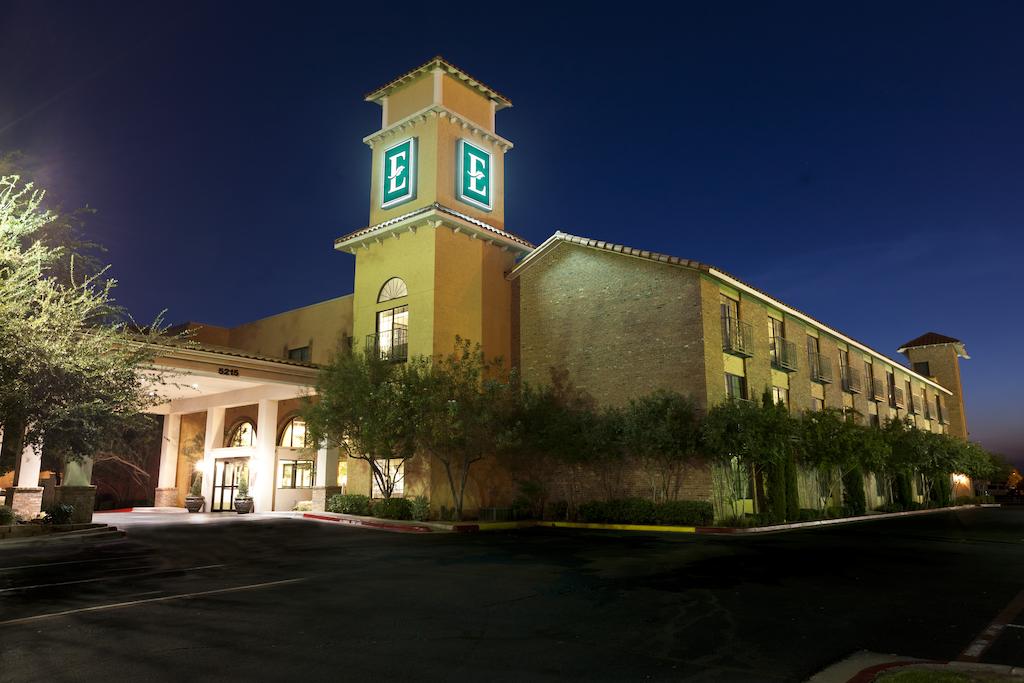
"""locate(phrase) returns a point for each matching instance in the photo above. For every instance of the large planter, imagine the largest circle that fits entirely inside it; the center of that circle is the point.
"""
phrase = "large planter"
(243, 505)
(195, 503)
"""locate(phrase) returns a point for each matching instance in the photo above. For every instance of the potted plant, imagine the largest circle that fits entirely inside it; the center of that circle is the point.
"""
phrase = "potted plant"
(194, 501)
(243, 501)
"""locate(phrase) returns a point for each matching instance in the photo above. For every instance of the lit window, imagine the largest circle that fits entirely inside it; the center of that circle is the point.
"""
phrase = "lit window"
(296, 474)
(392, 338)
(780, 395)
(244, 434)
(294, 434)
(393, 289)
(396, 470)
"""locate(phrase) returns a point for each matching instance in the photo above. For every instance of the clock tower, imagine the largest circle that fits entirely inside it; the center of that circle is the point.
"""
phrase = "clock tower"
(431, 264)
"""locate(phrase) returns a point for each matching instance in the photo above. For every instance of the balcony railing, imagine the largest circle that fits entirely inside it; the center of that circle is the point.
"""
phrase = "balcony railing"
(877, 390)
(737, 337)
(783, 354)
(916, 404)
(821, 367)
(898, 400)
(851, 379)
(392, 345)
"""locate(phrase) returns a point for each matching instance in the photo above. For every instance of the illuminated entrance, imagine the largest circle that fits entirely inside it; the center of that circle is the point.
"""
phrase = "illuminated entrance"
(227, 473)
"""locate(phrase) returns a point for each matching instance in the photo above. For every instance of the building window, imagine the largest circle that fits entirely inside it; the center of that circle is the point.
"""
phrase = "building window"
(243, 434)
(873, 420)
(890, 382)
(300, 354)
(927, 405)
(397, 470)
(921, 368)
(393, 289)
(780, 395)
(817, 404)
(776, 332)
(871, 389)
(909, 397)
(939, 413)
(294, 434)
(296, 474)
(391, 341)
(735, 387)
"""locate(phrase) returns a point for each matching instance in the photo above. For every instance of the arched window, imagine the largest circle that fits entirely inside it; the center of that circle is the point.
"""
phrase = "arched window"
(243, 434)
(393, 289)
(294, 434)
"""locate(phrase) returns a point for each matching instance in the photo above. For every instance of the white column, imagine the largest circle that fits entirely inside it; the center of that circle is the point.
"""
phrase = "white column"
(169, 452)
(262, 474)
(214, 438)
(326, 467)
(26, 471)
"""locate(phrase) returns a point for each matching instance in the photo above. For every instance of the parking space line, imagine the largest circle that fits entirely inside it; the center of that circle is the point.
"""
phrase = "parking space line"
(56, 564)
(992, 632)
(132, 603)
(108, 578)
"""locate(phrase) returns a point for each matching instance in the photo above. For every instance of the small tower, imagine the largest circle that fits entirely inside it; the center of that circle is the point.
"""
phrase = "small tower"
(938, 356)
(431, 264)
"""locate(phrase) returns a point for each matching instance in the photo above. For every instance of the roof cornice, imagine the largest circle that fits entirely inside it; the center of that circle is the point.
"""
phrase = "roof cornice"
(447, 67)
(437, 111)
(431, 216)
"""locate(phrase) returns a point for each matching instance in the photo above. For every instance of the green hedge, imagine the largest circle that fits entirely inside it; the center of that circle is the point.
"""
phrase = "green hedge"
(974, 500)
(6, 516)
(349, 504)
(392, 508)
(641, 511)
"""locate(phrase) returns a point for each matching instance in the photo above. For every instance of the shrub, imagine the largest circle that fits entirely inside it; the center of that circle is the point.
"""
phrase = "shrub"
(60, 513)
(6, 516)
(420, 508)
(641, 511)
(810, 514)
(942, 491)
(557, 511)
(303, 506)
(349, 504)
(393, 508)
(974, 500)
(854, 502)
(792, 490)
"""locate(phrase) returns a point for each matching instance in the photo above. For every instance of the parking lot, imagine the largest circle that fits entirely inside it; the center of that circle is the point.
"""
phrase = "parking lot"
(274, 599)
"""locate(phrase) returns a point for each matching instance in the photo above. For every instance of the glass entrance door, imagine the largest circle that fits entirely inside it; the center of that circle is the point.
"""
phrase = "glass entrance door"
(226, 474)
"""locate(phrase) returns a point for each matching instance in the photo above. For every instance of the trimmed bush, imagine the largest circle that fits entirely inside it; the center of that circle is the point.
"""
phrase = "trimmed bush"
(392, 508)
(557, 511)
(349, 504)
(60, 513)
(792, 490)
(904, 492)
(420, 508)
(974, 500)
(775, 493)
(641, 511)
(6, 516)
(854, 501)
(942, 491)
(303, 506)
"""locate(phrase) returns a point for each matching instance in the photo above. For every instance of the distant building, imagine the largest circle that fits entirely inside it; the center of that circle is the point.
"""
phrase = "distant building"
(436, 261)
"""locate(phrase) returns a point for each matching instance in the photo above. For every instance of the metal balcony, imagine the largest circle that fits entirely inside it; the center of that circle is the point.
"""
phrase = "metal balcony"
(783, 354)
(737, 337)
(897, 398)
(390, 345)
(916, 404)
(851, 379)
(877, 390)
(821, 367)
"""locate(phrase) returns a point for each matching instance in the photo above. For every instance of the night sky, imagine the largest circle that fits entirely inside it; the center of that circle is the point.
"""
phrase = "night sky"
(861, 162)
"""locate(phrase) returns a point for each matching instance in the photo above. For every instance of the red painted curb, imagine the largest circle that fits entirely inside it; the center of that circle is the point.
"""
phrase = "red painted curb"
(117, 510)
(868, 675)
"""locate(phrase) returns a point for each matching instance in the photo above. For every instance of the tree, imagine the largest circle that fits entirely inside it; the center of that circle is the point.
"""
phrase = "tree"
(461, 404)
(71, 361)
(730, 437)
(831, 444)
(364, 407)
(662, 432)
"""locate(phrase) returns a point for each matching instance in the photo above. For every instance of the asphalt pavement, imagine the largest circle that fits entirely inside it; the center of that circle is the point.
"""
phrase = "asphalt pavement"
(265, 599)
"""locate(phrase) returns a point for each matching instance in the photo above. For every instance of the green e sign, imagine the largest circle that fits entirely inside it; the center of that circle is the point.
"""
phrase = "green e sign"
(474, 179)
(398, 183)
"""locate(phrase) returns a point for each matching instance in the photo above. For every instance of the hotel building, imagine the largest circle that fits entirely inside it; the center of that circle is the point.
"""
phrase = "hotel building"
(436, 260)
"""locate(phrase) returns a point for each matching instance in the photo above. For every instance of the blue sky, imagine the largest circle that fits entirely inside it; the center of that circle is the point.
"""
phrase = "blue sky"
(862, 162)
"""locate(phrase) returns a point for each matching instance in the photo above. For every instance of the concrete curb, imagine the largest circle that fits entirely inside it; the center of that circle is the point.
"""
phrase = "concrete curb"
(96, 533)
(865, 667)
(474, 527)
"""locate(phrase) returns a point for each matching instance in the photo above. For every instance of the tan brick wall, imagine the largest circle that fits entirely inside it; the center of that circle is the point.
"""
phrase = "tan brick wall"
(631, 480)
(620, 325)
(944, 366)
(759, 373)
(833, 391)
